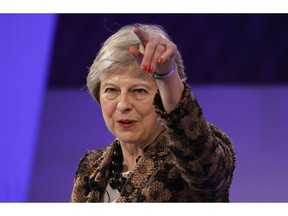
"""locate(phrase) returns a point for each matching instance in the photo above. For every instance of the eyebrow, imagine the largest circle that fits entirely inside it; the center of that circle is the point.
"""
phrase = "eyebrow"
(140, 84)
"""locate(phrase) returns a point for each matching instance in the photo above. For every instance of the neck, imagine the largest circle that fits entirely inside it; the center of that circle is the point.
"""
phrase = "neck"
(129, 163)
(132, 152)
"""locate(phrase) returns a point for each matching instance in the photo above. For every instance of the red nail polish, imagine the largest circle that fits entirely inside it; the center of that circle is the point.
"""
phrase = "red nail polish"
(150, 70)
(144, 67)
(160, 60)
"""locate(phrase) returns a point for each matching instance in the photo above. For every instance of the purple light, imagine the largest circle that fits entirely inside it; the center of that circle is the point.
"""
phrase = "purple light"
(25, 42)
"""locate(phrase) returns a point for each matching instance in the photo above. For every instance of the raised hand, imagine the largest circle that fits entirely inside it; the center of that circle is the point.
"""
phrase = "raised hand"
(156, 53)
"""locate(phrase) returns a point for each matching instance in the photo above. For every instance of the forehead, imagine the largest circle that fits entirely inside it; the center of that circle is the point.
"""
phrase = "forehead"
(127, 72)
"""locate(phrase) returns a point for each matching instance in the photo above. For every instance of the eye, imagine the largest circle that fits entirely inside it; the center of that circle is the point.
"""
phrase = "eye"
(110, 90)
(140, 91)
(110, 93)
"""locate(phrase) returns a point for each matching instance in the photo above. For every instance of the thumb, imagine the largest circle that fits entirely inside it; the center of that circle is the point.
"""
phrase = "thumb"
(136, 54)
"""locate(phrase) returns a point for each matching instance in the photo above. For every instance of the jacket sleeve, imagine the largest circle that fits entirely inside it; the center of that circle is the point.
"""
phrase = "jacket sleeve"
(204, 154)
(78, 192)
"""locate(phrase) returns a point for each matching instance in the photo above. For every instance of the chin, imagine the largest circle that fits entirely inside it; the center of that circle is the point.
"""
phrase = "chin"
(128, 139)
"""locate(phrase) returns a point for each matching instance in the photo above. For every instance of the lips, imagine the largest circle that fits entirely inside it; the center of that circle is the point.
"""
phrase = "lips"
(126, 123)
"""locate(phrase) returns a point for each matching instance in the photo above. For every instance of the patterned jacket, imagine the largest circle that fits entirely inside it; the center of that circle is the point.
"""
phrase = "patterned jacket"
(191, 161)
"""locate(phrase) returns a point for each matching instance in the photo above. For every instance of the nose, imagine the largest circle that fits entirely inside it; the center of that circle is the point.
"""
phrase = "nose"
(124, 103)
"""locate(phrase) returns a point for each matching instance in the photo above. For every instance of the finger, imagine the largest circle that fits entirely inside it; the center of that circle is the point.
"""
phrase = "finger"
(153, 52)
(152, 49)
(169, 54)
(159, 50)
(138, 56)
(142, 35)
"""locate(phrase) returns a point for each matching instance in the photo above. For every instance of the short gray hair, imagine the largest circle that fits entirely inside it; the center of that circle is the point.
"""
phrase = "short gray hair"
(114, 55)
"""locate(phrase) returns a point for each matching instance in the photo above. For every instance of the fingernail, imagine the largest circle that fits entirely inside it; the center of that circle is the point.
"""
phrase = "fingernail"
(144, 67)
(150, 70)
(160, 60)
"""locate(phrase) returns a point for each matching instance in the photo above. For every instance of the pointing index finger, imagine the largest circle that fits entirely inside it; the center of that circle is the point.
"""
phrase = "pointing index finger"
(141, 34)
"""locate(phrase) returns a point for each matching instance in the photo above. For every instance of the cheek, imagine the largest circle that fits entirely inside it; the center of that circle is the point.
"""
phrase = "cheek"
(107, 110)
(149, 112)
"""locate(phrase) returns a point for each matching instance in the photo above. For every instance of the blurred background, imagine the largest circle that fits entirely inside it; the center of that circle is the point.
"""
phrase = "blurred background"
(237, 66)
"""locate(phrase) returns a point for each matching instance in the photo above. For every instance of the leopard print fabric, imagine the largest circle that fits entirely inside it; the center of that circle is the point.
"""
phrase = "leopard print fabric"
(191, 161)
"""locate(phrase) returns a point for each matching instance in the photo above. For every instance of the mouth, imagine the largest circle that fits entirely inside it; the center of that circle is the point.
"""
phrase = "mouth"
(126, 123)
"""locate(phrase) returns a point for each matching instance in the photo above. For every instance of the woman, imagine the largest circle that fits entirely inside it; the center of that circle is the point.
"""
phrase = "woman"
(164, 150)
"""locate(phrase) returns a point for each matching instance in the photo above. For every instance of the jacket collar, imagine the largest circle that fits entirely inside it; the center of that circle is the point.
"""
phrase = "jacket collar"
(150, 161)
(147, 165)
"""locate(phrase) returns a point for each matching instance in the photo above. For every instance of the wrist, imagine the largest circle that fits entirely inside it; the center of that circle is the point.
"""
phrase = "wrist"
(166, 75)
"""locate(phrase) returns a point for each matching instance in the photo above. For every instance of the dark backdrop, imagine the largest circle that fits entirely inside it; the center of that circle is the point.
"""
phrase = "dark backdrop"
(222, 48)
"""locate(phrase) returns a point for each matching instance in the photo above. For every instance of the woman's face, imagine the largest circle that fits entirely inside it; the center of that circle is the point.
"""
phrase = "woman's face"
(127, 107)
